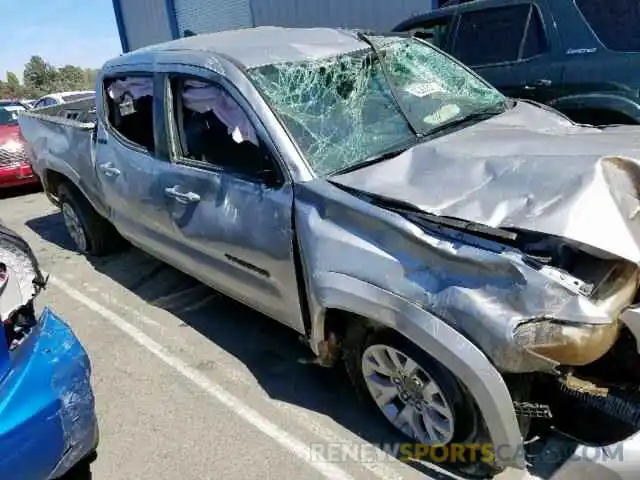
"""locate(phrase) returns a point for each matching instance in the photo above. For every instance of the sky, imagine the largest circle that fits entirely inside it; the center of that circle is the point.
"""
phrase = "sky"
(76, 32)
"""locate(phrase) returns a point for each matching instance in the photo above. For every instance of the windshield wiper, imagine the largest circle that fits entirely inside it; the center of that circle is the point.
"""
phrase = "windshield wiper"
(476, 116)
(394, 94)
(377, 158)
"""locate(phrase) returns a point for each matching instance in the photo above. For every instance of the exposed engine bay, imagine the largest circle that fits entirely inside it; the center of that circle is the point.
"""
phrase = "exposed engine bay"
(20, 282)
(590, 394)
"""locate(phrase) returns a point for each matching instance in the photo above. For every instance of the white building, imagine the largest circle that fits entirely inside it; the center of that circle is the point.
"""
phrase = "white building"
(145, 22)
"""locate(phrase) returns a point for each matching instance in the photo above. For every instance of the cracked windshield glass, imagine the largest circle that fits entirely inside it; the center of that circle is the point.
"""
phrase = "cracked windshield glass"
(342, 112)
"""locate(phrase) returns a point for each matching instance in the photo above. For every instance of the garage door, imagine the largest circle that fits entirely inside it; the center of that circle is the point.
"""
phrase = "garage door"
(145, 22)
(203, 16)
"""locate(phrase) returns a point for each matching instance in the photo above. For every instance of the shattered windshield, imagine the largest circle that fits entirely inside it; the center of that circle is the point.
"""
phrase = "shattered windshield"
(341, 111)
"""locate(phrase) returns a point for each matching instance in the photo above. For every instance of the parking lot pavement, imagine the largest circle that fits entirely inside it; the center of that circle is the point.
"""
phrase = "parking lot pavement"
(190, 384)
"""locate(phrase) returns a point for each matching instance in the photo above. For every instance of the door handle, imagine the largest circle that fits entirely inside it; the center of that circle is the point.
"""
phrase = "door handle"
(102, 141)
(541, 82)
(182, 197)
(109, 170)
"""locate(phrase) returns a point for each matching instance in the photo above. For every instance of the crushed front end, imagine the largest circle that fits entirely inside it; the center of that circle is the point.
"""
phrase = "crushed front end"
(47, 412)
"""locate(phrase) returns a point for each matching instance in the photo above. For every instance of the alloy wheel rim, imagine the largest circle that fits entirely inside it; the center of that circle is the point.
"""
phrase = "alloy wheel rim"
(74, 227)
(407, 395)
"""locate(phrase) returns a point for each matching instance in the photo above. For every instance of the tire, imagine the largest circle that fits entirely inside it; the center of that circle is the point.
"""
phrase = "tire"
(91, 233)
(79, 472)
(451, 403)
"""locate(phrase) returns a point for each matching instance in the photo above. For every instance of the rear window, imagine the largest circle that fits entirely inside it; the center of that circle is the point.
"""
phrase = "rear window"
(9, 113)
(615, 22)
(76, 96)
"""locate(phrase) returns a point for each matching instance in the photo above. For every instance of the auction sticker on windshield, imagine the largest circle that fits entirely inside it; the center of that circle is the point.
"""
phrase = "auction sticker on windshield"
(423, 89)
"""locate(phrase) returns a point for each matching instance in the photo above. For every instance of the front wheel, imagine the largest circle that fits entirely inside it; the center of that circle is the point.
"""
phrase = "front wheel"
(416, 394)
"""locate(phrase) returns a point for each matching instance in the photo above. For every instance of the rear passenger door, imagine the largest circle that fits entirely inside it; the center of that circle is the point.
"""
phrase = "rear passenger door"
(131, 158)
(511, 47)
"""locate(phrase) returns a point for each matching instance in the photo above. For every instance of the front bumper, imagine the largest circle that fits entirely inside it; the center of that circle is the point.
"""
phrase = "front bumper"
(17, 174)
(617, 461)
(47, 408)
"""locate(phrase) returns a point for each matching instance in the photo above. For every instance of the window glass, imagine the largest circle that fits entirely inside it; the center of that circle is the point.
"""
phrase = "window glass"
(213, 128)
(130, 109)
(434, 31)
(44, 102)
(491, 36)
(615, 22)
(536, 41)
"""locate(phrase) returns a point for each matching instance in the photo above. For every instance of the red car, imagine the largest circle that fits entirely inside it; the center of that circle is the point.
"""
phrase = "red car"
(15, 169)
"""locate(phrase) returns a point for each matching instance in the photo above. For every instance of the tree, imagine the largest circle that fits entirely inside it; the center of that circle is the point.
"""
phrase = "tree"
(11, 88)
(13, 82)
(39, 76)
(90, 76)
(71, 78)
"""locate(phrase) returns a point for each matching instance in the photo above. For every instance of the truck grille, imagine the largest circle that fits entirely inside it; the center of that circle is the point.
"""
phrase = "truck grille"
(9, 157)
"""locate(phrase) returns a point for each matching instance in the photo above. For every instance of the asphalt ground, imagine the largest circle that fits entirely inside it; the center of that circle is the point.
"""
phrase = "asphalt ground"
(190, 384)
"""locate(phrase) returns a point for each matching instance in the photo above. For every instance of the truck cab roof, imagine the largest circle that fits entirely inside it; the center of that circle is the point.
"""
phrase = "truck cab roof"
(253, 47)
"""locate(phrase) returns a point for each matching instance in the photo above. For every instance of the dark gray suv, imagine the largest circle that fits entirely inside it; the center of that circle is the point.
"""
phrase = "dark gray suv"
(581, 57)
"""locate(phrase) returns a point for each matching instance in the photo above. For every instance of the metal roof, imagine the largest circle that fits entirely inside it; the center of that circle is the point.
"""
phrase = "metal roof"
(252, 47)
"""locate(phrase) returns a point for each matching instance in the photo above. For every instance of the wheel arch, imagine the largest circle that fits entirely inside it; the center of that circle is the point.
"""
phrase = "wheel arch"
(52, 178)
(338, 296)
(602, 102)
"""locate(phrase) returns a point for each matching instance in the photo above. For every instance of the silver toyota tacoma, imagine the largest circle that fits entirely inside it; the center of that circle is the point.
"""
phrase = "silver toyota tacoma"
(472, 259)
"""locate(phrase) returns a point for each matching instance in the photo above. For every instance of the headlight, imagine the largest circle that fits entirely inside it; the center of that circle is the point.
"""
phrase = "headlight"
(12, 146)
(565, 343)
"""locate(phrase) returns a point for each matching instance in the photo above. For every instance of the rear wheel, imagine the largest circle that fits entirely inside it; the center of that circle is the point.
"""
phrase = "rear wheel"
(90, 232)
(415, 394)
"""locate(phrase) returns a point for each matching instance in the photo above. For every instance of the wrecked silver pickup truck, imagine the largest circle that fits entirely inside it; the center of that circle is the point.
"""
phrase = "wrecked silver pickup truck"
(472, 258)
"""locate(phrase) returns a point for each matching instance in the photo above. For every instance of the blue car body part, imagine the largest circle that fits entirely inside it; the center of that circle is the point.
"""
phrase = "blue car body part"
(48, 423)
(47, 409)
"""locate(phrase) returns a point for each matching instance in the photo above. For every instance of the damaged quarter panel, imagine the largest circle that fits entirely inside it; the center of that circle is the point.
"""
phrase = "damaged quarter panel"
(60, 140)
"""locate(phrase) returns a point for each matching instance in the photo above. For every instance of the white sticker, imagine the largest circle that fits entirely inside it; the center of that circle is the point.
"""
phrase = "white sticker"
(423, 89)
(12, 108)
(443, 114)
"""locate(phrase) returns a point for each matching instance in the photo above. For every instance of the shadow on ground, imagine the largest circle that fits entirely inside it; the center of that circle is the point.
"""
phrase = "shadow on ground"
(272, 352)
(80, 472)
(13, 192)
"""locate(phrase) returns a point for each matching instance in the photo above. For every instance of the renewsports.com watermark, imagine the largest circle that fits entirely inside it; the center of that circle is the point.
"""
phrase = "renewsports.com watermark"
(337, 452)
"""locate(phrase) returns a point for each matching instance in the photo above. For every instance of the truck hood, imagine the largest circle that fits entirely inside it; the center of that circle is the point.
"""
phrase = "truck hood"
(528, 168)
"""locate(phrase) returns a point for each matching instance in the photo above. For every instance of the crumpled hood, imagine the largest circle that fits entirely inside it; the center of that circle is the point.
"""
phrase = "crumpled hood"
(528, 168)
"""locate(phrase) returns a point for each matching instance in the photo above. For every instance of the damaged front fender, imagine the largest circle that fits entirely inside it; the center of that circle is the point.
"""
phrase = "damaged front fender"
(462, 358)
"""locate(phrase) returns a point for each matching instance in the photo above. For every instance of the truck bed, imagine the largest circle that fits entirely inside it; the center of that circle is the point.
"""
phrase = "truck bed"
(60, 140)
